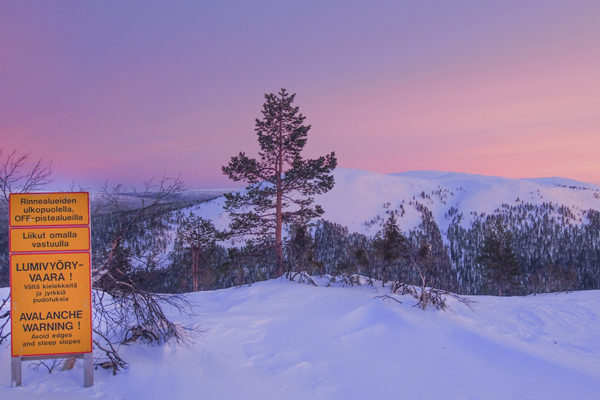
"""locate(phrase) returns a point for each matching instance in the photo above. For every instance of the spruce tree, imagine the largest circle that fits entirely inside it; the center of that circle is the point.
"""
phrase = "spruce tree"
(281, 183)
(391, 245)
(498, 258)
(300, 248)
(199, 235)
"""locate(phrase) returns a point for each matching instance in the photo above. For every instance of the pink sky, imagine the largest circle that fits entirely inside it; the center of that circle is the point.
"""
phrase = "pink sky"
(126, 92)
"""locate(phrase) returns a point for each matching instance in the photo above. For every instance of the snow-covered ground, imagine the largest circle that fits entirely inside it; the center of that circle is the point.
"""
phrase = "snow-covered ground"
(284, 340)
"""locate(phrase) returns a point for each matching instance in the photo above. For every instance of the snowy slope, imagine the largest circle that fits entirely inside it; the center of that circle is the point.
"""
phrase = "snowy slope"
(358, 197)
(283, 340)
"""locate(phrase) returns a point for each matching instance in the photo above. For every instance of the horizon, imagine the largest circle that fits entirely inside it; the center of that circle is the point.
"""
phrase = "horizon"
(188, 188)
(126, 92)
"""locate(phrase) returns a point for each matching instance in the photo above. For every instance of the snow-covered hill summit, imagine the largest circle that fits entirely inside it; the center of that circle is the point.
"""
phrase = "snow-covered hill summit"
(360, 200)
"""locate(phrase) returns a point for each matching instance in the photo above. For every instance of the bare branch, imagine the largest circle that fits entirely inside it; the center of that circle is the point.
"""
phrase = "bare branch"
(4, 319)
(123, 311)
(19, 174)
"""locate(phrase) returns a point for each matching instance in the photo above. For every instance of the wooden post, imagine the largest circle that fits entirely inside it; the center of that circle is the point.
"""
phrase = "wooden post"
(15, 372)
(88, 369)
(69, 363)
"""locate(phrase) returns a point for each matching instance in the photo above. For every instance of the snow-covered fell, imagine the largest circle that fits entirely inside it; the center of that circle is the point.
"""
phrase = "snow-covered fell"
(359, 197)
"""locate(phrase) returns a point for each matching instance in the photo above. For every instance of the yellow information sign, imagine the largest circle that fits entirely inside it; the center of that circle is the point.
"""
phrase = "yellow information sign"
(49, 239)
(49, 209)
(50, 304)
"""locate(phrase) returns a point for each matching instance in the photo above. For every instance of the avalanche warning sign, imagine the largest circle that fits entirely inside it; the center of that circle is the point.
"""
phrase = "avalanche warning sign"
(50, 304)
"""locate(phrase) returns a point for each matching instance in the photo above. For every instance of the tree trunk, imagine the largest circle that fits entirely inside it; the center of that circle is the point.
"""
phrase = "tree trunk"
(278, 229)
(195, 267)
(278, 206)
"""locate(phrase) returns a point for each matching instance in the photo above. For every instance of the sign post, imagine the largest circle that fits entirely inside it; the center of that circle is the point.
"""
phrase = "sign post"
(50, 279)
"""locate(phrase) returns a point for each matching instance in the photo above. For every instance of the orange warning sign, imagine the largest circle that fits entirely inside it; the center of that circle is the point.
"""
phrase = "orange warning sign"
(49, 209)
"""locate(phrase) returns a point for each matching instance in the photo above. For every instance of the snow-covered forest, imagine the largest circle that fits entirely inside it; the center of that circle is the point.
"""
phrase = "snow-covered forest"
(555, 224)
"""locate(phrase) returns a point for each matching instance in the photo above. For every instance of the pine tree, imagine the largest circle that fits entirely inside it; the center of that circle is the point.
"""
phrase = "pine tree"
(281, 183)
(498, 258)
